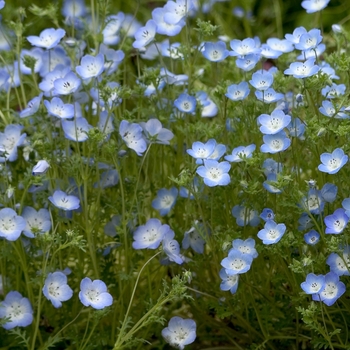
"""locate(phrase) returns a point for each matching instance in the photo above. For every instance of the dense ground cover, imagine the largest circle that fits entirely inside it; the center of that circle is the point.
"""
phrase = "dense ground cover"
(174, 174)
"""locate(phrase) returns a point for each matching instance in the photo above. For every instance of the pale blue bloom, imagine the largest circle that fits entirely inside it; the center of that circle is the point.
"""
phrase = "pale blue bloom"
(272, 232)
(48, 38)
(238, 92)
(269, 95)
(245, 216)
(305, 222)
(40, 168)
(53, 58)
(333, 289)
(297, 128)
(214, 173)
(268, 52)
(56, 288)
(267, 214)
(37, 222)
(312, 237)
(165, 200)
(333, 162)
(329, 192)
(282, 45)
(194, 238)
(2, 4)
(76, 130)
(215, 52)
(112, 28)
(57, 108)
(35, 53)
(186, 103)
(155, 132)
(62, 200)
(74, 8)
(329, 110)
(228, 282)
(18, 309)
(302, 70)
(312, 6)
(149, 235)
(245, 246)
(336, 222)
(109, 178)
(145, 35)
(32, 107)
(201, 151)
(209, 108)
(69, 84)
(309, 40)
(171, 247)
(340, 265)
(91, 66)
(313, 202)
(132, 135)
(269, 186)
(333, 91)
(248, 62)
(271, 166)
(180, 332)
(177, 10)
(164, 27)
(261, 80)
(243, 47)
(94, 294)
(11, 225)
(105, 123)
(236, 262)
(275, 143)
(241, 153)
(274, 123)
(314, 284)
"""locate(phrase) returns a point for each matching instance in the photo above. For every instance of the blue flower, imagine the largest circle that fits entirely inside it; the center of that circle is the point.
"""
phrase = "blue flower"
(245, 246)
(209, 108)
(329, 110)
(275, 143)
(110, 227)
(305, 222)
(76, 130)
(10, 140)
(40, 168)
(296, 128)
(32, 107)
(186, 103)
(48, 38)
(149, 235)
(145, 35)
(94, 294)
(109, 178)
(329, 192)
(312, 6)
(59, 109)
(314, 202)
(245, 216)
(91, 66)
(238, 92)
(18, 309)
(268, 52)
(56, 288)
(302, 69)
(274, 123)
(271, 179)
(314, 284)
(239, 154)
(180, 332)
(201, 151)
(248, 62)
(271, 166)
(74, 8)
(215, 52)
(333, 289)
(346, 205)
(282, 45)
(37, 222)
(171, 247)
(69, 84)
(243, 47)
(272, 232)
(132, 136)
(269, 95)
(11, 225)
(214, 173)
(228, 282)
(312, 237)
(267, 214)
(165, 200)
(62, 200)
(333, 162)
(236, 262)
(2, 4)
(295, 37)
(339, 265)
(155, 132)
(177, 11)
(164, 27)
(261, 80)
(112, 28)
(336, 222)
(333, 91)
(194, 238)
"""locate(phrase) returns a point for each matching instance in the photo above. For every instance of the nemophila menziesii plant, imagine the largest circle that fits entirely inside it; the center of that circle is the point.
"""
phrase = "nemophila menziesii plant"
(174, 174)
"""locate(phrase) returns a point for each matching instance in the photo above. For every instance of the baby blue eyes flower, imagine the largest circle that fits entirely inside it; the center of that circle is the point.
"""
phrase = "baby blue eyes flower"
(11, 225)
(261, 80)
(313, 202)
(215, 52)
(274, 123)
(132, 136)
(245, 247)
(333, 162)
(243, 47)
(145, 35)
(333, 91)
(194, 238)
(302, 70)
(214, 173)
(32, 107)
(164, 27)
(149, 235)
(312, 237)
(76, 130)
(201, 151)
(309, 40)
(186, 103)
(9, 141)
(333, 289)
(275, 143)
(67, 85)
(37, 222)
(180, 332)
(155, 132)
(48, 38)
(267, 214)
(94, 294)
(248, 62)
(272, 232)
(339, 265)
(18, 309)
(236, 262)
(228, 282)
(312, 6)
(40, 168)
(171, 247)
(59, 109)
(269, 95)
(63, 201)
(239, 154)
(56, 288)
(314, 284)
(238, 92)
(336, 222)
(165, 200)
(297, 33)
(329, 110)
(245, 216)
(177, 10)
(2, 4)
(111, 31)
(91, 66)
